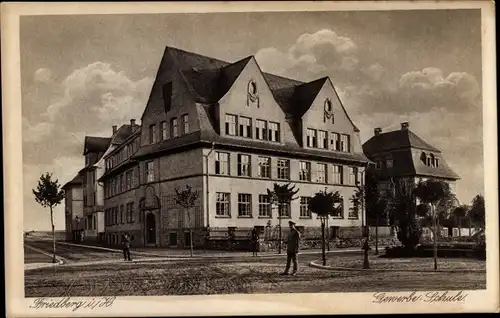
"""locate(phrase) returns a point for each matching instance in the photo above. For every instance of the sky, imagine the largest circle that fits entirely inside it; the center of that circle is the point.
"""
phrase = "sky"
(82, 74)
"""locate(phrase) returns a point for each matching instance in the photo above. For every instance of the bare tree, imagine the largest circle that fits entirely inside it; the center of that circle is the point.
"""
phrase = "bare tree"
(187, 199)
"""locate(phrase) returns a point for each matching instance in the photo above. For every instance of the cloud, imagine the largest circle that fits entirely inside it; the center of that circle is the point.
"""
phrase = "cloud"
(43, 75)
(313, 55)
(90, 100)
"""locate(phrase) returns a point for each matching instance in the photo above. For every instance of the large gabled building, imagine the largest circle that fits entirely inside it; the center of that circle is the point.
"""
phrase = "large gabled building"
(230, 131)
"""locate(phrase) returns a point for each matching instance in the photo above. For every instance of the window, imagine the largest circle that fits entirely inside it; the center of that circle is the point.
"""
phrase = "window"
(244, 165)
(129, 180)
(244, 205)
(116, 215)
(389, 163)
(354, 211)
(264, 170)
(149, 173)
(337, 174)
(322, 139)
(305, 171)
(163, 127)
(221, 163)
(274, 132)
(123, 182)
(231, 125)
(261, 129)
(344, 143)
(321, 175)
(283, 169)
(285, 211)
(175, 128)
(304, 207)
(340, 213)
(132, 212)
(245, 127)
(352, 175)
(172, 239)
(222, 204)
(185, 124)
(334, 141)
(312, 138)
(437, 162)
(264, 206)
(118, 184)
(152, 134)
(122, 216)
(95, 222)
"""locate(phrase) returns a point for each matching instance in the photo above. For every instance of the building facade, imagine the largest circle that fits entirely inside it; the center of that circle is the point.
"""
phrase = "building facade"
(93, 192)
(402, 154)
(229, 131)
(73, 208)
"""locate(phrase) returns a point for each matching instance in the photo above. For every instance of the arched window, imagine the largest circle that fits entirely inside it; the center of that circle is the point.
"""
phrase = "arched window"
(423, 157)
(252, 88)
(431, 160)
(328, 105)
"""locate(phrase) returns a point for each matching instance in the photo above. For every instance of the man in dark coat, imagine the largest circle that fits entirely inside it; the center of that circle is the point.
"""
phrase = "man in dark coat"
(126, 247)
(292, 249)
(255, 241)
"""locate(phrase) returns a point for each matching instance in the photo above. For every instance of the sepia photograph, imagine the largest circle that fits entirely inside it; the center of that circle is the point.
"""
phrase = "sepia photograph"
(254, 152)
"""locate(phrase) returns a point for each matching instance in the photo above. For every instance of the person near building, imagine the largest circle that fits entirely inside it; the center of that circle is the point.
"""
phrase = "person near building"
(126, 247)
(255, 241)
(292, 249)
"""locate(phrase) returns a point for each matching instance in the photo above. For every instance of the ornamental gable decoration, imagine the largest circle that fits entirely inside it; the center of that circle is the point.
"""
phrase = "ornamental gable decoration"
(328, 111)
(253, 94)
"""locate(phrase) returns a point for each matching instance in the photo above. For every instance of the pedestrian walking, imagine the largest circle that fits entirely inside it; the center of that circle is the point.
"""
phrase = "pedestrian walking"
(292, 249)
(255, 241)
(126, 247)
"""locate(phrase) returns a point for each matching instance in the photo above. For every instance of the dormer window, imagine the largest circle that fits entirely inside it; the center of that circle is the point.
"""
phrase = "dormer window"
(389, 163)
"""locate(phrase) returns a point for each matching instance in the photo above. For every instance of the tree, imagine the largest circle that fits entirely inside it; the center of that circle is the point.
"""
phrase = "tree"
(281, 195)
(376, 203)
(459, 213)
(402, 209)
(187, 199)
(477, 212)
(438, 195)
(48, 194)
(325, 204)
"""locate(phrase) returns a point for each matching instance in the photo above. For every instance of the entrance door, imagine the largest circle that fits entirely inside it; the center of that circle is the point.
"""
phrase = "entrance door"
(150, 229)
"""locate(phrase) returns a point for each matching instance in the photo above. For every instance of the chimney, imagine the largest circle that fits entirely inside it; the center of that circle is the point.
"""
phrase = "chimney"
(405, 126)
(115, 128)
(132, 122)
(377, 131)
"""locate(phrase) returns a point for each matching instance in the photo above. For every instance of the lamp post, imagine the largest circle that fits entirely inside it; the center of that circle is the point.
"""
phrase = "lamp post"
(77, 221)
(364, 226)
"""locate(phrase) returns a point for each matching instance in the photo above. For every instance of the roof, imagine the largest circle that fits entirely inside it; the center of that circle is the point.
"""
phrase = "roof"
(400, 144)
(208, 79)
(95, 144)
(396, 140)
(77, 180)
(122, 134)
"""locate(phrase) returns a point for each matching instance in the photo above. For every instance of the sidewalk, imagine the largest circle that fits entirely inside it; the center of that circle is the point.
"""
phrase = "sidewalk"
(207, 254)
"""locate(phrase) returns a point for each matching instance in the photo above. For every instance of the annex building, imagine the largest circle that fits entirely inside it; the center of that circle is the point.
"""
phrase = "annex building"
(229, 131)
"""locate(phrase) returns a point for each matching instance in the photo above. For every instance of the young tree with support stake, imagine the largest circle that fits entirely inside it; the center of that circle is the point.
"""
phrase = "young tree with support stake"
(325, 204)
(459, 213)
(187, 199)
(438, 195)
(48, 194)
(281, 195)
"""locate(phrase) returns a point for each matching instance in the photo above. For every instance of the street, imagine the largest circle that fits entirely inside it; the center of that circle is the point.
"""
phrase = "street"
(92, 272)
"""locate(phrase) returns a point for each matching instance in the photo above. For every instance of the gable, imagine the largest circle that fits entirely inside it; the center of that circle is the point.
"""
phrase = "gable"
(327, 112)
(243, 100)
